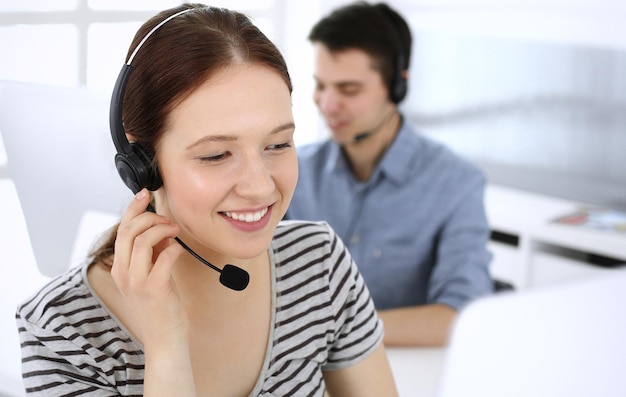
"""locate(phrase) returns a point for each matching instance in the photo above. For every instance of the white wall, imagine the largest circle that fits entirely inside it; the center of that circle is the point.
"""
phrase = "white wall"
(101, 45)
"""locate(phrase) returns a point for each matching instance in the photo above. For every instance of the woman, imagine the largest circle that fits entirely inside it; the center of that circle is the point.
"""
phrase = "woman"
(209, 100)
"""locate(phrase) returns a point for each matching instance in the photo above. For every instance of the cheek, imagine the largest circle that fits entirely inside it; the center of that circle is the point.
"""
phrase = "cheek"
(316, 97)
(373, 107)
(288, 175)
(186, 190)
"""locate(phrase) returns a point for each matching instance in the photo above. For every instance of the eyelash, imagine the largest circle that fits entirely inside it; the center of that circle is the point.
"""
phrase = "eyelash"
(281, 146)
(222, 156)
(214, 159)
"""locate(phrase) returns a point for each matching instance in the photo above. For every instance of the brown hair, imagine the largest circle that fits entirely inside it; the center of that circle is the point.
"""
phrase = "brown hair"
(377, 29)
(174, 61)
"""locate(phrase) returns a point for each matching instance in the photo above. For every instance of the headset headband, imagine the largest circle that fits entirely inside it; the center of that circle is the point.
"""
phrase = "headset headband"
(133, 163)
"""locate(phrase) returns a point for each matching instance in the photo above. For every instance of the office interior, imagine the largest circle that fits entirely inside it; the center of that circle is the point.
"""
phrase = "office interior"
(533, 92)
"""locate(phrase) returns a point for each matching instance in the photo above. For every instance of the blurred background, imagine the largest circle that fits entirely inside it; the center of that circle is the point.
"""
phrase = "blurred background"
(534, 91)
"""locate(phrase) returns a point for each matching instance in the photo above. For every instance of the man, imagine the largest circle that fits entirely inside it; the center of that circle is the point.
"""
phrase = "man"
(410, 211)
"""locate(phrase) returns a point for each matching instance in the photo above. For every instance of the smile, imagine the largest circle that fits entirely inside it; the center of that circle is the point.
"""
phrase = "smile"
(248, 216)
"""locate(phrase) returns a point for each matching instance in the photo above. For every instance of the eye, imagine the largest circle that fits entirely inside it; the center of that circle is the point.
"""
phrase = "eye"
(214, 159)
(350, 91)
(280, 146)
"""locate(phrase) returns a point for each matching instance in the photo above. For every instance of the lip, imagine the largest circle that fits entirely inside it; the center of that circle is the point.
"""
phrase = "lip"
(336, 126)
(250, 227)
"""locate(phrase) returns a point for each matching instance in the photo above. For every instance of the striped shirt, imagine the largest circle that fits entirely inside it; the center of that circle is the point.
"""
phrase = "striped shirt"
(323, 319)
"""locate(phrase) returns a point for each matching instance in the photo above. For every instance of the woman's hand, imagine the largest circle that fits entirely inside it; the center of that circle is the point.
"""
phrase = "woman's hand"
(145, 256)
(142, 270)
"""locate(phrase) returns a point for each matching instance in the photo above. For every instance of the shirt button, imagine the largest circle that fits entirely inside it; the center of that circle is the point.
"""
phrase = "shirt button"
(355, 240)
(377, 253)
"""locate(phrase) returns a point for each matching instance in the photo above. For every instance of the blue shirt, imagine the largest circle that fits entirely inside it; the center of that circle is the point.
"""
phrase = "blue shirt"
(416, 229)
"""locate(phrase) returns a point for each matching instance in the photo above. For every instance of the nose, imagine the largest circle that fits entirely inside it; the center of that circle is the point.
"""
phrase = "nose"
(327, 101)
(255, 181)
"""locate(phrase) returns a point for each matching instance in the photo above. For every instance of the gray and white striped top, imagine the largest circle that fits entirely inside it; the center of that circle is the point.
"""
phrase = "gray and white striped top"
(322, 319)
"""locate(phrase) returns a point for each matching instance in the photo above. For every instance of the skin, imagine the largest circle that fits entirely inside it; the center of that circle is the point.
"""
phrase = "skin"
(353, 99)
(227, 154)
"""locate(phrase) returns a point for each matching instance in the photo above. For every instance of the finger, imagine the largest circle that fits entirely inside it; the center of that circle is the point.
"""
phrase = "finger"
(161, 273)
(143, 250)
(134, 222)
(137, 206)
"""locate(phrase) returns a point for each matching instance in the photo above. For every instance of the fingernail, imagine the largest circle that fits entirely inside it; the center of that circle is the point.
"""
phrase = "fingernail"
(142, 193)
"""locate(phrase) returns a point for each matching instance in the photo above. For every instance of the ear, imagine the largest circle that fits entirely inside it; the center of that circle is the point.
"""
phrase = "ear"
(130, 138)
(158, 200)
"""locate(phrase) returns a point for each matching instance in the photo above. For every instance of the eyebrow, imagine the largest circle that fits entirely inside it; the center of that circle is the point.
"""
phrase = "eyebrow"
(341, 84)
(232, 138)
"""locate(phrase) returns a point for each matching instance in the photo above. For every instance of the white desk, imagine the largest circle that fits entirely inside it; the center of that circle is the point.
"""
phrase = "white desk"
(416, 370)
(19, 278)
(529, 216)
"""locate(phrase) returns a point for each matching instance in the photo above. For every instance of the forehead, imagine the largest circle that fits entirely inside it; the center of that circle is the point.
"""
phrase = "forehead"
(239, 99)
(342, 65)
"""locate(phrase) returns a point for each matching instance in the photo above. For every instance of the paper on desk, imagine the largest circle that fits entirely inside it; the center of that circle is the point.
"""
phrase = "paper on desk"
(596, 218)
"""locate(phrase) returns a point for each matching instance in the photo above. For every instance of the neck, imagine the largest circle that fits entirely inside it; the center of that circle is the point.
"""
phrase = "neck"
(365, 154)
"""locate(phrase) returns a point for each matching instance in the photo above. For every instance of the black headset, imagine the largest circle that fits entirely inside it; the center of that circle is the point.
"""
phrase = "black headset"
(399, 85)
(134, 163)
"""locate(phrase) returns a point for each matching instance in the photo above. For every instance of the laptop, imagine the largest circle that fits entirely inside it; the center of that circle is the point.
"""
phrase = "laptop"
(559, 340)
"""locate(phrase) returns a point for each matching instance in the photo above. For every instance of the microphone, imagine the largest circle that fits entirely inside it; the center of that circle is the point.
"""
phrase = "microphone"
(231, 276)
(364, 135)
(361, 136)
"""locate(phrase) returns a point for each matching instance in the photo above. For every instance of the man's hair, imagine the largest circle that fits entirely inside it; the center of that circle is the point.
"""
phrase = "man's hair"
(376, 29)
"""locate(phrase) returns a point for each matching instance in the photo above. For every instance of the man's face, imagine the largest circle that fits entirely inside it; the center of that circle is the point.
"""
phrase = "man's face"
(350, 92)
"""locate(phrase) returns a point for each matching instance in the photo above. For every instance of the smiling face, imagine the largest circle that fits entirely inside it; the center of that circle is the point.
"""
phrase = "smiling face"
(350, 92)
(228, 163)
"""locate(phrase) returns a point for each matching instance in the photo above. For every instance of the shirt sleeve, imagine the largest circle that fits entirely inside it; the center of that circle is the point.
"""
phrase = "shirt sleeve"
(53, 365)
(71, 347)
(462, 271)
(358, 329)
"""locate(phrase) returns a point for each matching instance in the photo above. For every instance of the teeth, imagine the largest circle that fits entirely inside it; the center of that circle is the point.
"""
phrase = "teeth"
(248, 216)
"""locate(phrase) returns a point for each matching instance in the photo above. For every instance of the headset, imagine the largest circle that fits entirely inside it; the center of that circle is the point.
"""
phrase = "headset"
(138, 169)
(134, 163)
(399, 85)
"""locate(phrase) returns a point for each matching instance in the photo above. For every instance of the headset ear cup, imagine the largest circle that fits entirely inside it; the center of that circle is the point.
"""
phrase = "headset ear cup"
(136, 170)
(399, 89)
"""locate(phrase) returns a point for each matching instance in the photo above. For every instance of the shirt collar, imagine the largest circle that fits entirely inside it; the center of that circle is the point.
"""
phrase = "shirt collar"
(396, 163)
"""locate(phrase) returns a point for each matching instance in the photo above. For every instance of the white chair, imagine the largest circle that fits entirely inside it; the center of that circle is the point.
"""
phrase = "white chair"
(60, 156)
(93, 226)
(3, 157)
(20, 278)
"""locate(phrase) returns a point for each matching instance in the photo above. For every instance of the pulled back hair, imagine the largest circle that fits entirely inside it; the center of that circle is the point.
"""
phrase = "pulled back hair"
(375, 29)
(183, 54)
(176, 60)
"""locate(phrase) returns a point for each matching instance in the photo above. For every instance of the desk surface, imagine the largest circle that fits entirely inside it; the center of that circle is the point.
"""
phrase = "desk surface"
(530, 215)
(416, 370)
